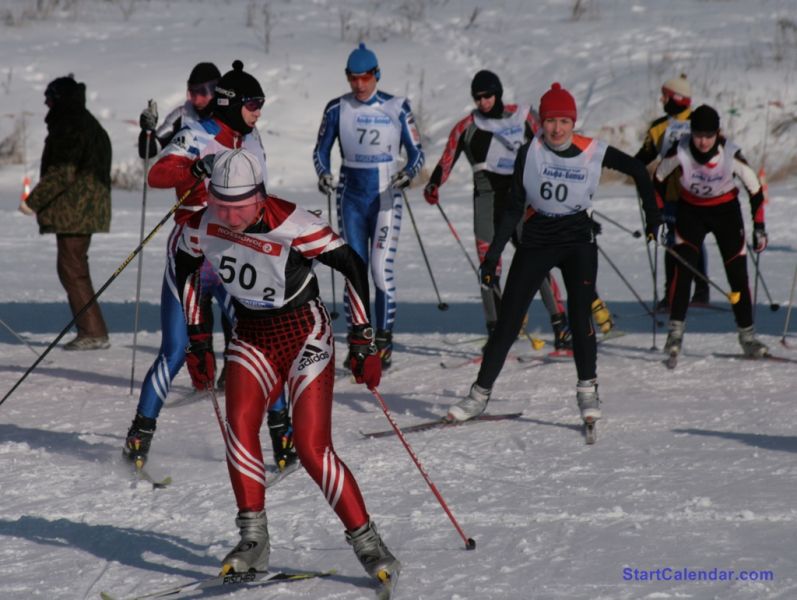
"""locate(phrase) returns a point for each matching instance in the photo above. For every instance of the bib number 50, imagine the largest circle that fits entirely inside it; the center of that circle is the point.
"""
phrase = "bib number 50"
(246, 275)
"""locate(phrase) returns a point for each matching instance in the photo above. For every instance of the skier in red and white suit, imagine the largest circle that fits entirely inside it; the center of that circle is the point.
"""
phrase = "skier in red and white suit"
(262, 248)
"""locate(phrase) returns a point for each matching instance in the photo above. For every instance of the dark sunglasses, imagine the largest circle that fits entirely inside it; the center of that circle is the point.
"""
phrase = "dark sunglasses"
(203, 89)
(253, 104)
(482, 96)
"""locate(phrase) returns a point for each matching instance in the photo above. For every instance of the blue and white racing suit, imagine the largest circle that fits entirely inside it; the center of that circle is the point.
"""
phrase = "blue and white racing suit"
(370, 135)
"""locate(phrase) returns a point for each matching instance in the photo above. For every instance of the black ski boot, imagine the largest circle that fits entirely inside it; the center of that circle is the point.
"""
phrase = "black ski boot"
(220, 382)
(139, 438)
(384, 347)
(281, 431)
(562, 336)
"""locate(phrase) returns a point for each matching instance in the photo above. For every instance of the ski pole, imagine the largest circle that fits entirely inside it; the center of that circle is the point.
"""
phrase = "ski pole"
(536, 343)
(470, 543)
(219, 417)
(630, 287)
(140, 263)
(334, 314)
(459, 241)
(636, 233)
(440, 304)
(19, 337)
(755, 287)
(773, 306)
(105, 285)
(733, 297)
(788, 312)
(655, 293)
(647, 247)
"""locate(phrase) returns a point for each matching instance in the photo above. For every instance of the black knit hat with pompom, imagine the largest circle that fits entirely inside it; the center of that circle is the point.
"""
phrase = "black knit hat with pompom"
(232, 90)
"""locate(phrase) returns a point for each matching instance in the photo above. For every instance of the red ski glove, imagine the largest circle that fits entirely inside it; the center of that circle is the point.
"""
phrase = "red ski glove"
(200, 360)
(364, 362)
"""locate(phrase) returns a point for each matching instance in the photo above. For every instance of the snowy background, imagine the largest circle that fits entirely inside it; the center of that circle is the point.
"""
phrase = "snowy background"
(693, 469)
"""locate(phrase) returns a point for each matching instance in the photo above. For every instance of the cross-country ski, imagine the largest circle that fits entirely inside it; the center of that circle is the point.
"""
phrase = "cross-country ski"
(442, 422)
(229, 582)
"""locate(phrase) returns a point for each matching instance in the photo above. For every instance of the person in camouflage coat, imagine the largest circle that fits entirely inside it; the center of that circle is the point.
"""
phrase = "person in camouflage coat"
(73, 199)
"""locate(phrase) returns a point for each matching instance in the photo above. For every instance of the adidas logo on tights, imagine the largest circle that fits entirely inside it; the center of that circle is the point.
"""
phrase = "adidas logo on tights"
(312, 355)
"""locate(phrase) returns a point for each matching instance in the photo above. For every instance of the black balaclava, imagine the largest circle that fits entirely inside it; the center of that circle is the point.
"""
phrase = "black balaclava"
(233, 89)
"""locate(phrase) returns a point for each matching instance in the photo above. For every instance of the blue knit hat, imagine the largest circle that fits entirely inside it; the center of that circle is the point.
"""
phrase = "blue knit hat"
(362, 60)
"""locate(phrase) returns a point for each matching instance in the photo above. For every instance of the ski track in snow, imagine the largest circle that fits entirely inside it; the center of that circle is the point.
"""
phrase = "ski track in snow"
(693, 468)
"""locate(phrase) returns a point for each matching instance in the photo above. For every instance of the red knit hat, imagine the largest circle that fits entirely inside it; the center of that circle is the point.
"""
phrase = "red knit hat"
(557, 102)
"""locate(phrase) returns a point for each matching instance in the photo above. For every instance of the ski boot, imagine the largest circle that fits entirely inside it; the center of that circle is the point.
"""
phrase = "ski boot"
(471, 405)
(602, 316)
(562, 336)
(281, 431)
(253, 551)
(139, 438)
(384, 347)
(588, 402)
(590, 406)
(372, 553)
(522, 332)
(675, 338)
(751, 345)
(222, 378)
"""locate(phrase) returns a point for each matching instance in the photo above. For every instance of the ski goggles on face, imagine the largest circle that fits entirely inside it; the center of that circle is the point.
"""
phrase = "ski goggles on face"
(202, 89)
(361, 77)
(253, 104)
(483, 96)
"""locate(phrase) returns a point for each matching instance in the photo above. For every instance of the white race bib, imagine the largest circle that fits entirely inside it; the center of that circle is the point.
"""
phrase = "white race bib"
(558, 186)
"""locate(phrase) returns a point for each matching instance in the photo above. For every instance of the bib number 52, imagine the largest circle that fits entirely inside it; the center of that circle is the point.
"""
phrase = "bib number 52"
(245, 273)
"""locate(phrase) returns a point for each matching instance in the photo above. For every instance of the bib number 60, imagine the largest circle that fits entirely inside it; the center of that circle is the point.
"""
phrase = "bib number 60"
(548, 191)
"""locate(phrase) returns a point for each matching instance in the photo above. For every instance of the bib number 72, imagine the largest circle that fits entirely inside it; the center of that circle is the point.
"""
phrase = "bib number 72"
(246, 275)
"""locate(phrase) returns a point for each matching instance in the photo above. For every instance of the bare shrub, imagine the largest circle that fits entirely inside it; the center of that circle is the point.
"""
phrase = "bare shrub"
(12, 147)
(128, 175)
(584, 8)
(785, 41)
(472, 21)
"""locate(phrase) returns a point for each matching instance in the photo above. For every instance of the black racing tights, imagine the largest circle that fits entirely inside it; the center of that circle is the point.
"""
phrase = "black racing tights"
(692, 225)
(579, 266)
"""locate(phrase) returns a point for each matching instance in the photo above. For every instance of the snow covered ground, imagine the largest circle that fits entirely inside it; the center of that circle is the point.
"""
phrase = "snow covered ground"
(694, 469)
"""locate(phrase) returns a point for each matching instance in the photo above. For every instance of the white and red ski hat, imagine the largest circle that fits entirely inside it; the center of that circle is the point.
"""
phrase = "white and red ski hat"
(678, 90)
(237, 177)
